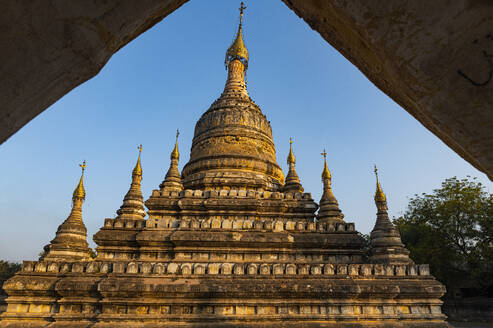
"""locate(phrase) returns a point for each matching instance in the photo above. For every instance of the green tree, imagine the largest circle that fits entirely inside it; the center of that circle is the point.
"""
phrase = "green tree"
(7, 269)
(452, 230)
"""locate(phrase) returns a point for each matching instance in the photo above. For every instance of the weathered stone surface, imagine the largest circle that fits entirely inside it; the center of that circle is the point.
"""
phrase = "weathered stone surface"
(187, 296)
(238, 253)
(232, 145)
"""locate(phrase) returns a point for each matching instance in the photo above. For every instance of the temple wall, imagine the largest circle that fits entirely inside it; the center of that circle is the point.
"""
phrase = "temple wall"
(189, 293)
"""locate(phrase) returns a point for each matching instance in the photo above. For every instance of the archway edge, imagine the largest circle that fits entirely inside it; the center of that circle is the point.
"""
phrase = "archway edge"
(51, 47)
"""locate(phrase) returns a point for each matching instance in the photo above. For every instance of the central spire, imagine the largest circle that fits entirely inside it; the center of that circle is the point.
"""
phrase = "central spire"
(232, 146)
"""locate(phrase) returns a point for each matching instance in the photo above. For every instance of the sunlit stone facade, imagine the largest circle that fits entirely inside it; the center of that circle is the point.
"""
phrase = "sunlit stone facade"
(229, 242)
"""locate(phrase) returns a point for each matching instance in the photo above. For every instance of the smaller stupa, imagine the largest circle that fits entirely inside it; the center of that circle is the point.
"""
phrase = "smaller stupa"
(172, 180)
(133, 203)
(385, 240)
(70, 242)
(329, 207)
(292, 183)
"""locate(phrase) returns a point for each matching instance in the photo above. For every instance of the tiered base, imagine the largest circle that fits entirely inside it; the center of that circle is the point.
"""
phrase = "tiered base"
(145, 294)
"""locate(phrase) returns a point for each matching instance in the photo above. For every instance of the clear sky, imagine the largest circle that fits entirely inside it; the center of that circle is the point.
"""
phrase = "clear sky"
(167, 77)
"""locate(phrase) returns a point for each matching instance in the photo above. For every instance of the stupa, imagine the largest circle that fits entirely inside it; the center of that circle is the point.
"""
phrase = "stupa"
(229, 242)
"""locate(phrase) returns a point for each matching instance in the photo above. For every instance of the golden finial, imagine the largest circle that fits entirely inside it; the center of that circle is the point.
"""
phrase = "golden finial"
(175, 154)
(79, 191)
(138, 168)
(379, 195)
(325, 173)
(291, 158)
(238, 50)
(242, 7)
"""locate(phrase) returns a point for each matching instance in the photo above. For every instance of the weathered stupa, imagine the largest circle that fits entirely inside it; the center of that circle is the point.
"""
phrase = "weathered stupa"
(229, 242)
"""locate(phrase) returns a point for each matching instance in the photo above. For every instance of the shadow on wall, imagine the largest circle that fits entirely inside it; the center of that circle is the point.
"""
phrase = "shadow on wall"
(470, 311)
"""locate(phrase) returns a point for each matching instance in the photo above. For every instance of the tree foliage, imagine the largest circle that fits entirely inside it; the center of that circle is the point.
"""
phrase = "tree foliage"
(452, 230)
(7, 269)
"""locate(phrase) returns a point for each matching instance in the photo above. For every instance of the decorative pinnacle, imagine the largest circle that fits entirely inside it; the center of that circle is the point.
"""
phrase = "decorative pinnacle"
(138, 168)
(325, 173)
(238, 50)
(379, 195)
(175, 154)
(291, 158)
(83, 166)
(242, 7)
(79, 191)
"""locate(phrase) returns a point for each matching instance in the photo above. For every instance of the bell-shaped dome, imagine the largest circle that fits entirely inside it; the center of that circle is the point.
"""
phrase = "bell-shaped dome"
(232, 146)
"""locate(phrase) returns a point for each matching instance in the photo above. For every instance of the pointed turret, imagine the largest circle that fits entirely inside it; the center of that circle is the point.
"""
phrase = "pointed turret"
(385, 241)
(238, 50)
(236, 63)
(292, 183)
(172, 181)
(70, 242)
(329, 207)
(133, 203)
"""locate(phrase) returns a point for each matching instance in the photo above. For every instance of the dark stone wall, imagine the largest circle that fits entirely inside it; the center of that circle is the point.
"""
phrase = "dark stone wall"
(473, 309)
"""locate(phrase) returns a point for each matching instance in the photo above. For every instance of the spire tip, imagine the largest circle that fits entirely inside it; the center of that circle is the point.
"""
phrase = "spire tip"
(83, 166)
(79, 191)
(291, 158)
(379, 194)
(325, 173)
(175, 154)
(138, 168)
(238, 50)
(242, 8)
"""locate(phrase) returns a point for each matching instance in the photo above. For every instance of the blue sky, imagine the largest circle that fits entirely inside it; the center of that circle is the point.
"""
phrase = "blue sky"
(167, 77)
